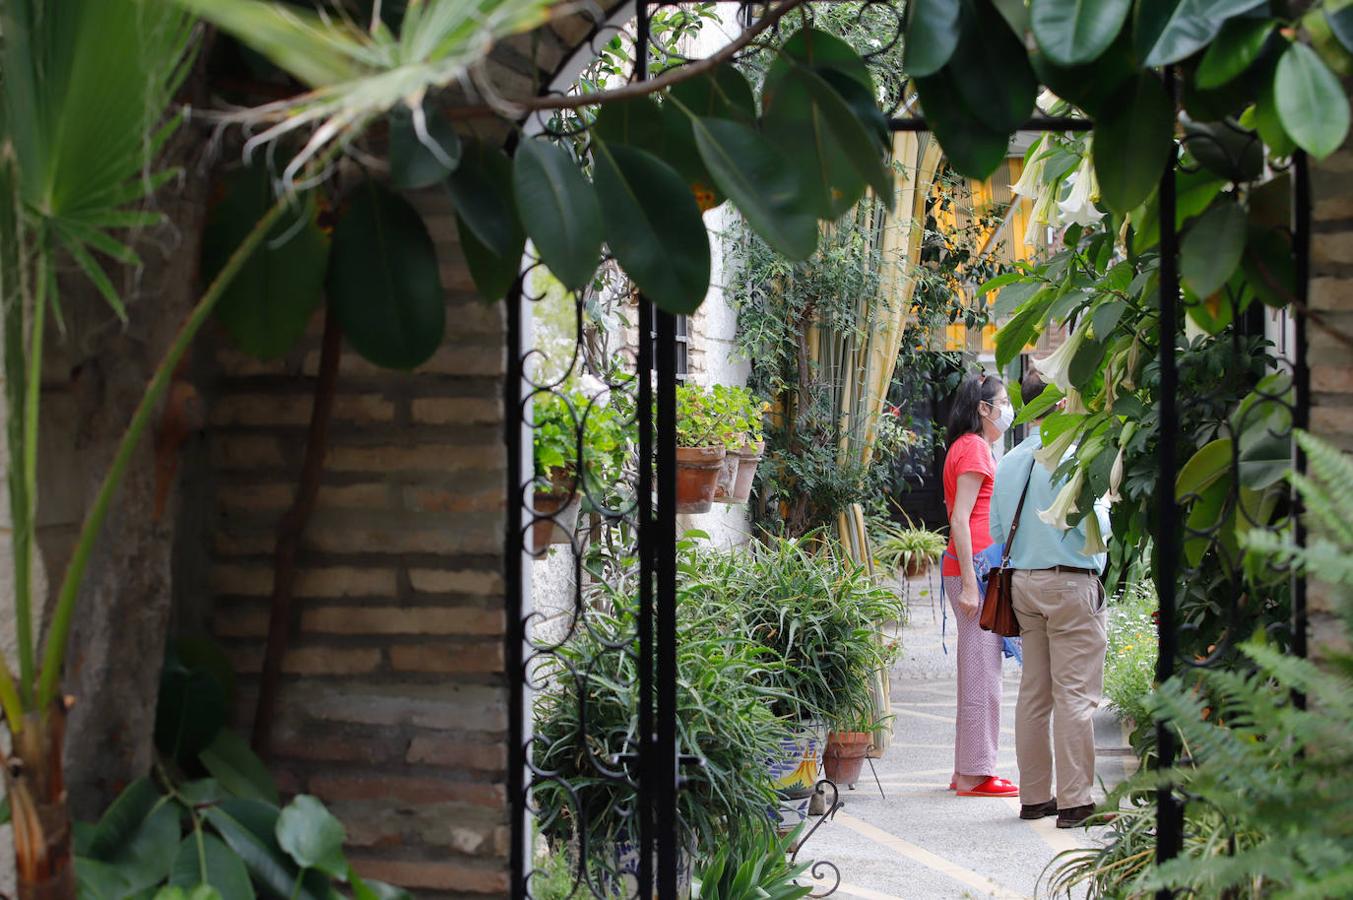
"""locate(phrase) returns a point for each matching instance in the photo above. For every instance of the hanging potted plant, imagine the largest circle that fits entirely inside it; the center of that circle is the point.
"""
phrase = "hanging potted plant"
(700, 449)
(907, 549)
(743, 439)
(557, 419)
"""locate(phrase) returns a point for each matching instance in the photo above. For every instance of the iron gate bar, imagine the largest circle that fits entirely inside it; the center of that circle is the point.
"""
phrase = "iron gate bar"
(646, 723)
(1301, 381)
(1169, 818)
(514, 584)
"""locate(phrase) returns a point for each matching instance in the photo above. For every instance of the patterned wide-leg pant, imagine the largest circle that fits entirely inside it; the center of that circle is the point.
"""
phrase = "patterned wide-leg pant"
(978, 723)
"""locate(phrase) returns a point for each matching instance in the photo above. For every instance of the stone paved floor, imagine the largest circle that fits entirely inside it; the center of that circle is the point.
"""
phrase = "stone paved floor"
(918, 841)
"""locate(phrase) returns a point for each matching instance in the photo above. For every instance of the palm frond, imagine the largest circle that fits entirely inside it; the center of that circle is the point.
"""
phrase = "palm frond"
(357, 75)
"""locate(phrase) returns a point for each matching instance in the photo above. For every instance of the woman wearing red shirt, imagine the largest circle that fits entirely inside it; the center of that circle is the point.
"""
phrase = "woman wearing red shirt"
(980, 415)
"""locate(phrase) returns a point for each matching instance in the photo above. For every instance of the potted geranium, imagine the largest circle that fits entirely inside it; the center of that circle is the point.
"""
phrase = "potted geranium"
(742, 431)
(700, 449)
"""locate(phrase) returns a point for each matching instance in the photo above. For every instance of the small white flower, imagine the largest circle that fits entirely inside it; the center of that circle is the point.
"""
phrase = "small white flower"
(1094, 538)
(1064, 504)
(1079, 206)
(591, 385)
(1055, 367)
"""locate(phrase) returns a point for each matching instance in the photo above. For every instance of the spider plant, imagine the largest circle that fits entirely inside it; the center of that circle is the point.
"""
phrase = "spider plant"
(907, 548)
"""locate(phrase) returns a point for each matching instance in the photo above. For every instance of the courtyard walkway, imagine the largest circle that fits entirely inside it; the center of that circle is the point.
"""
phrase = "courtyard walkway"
(918, 841)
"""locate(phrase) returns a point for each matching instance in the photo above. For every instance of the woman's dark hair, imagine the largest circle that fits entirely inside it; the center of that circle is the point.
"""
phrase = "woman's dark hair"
(964, 417)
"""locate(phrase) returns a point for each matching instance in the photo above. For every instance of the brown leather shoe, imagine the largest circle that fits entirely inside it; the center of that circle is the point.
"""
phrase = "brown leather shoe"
(1070, 818)
(1038, 810)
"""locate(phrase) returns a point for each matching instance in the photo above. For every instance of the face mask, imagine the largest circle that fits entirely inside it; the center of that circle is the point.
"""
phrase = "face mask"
(1005, 417)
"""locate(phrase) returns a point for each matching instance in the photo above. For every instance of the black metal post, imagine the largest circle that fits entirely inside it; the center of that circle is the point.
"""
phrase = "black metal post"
(1169, 814)
(664, 534)
(644, 806)
(512, 577)
(1301, 380)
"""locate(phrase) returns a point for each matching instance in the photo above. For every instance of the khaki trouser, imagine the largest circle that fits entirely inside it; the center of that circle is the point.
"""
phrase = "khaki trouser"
(1062, 629)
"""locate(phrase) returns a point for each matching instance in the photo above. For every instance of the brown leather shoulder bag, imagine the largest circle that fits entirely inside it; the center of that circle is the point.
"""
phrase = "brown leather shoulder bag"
(998, 610)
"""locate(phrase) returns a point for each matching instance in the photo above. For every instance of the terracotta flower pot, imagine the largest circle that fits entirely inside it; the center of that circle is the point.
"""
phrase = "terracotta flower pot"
(558, 510)
(749, 457)
(917, 566)
(844, 756)
(697, 474)
(728, 477)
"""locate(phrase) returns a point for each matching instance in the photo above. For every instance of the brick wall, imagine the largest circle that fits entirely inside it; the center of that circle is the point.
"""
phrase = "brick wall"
(1331, 359)
(393, 702)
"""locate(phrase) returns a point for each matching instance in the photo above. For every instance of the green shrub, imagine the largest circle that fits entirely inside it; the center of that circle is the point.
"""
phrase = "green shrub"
(751, 865)
(1130, 665)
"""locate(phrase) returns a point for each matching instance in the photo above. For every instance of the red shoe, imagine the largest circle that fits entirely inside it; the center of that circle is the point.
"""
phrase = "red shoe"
(953, 785)
(993, 787)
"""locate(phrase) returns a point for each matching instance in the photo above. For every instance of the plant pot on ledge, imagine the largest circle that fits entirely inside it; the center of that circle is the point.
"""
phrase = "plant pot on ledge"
(844, 756)
(697, 475)
(556, 507)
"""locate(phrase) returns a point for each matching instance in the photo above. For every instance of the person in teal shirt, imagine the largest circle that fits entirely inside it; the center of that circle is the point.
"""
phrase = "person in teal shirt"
(1060, 604)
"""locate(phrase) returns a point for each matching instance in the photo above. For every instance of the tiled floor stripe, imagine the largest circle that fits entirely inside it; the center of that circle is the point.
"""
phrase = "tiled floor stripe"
(930, 860)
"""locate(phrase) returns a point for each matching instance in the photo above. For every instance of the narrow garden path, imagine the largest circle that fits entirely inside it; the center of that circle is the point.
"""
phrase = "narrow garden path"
(917, 841)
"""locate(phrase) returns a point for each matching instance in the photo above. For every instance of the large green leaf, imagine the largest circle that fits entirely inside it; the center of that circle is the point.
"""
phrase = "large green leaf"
(861, 103)
(932, 35)
(204, 859)
(122, 819)
(721, 93)
(990, 69)
(374, 890)
(312, 836)
(1341, 25)
(1022, 327)
(1074, 32)
(493, 275)
(1311, 103)
(972, 148)
(748, 168)
(637, 121)
(1166, 31)
(1133, 142)
(560, 211)
(820, 50)
(1236, 48)
(1212, 248)
(191, 709)
(1092, 85)
(860, 147)
(1264, 118)
(1269, 266)
(248, 827)
(268, 304)
(481, 190)
(828, 182)
(383, 280)
(1225, 148)
(1203, 469)
(145, 858)
(1194, 192)
(653, 226)
(420, 160)
(237, 769)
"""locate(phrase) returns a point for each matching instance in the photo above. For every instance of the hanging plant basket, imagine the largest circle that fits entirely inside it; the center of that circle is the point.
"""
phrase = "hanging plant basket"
(844, 756)
(697, 475)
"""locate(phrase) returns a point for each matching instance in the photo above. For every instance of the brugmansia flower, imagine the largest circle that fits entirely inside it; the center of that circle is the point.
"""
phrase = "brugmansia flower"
(1030, 182)
(1079, 206)
(1041, 216)
(1055, 368)
(1094, 538)
(1050, 456)
(1115, 478)
(1064, 504)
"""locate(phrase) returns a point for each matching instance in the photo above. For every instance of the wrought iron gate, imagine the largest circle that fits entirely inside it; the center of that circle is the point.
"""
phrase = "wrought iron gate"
(630, 619)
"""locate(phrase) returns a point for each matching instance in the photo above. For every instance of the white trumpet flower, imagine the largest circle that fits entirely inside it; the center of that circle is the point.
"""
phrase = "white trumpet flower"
(1055, 368)
(1094, 538)
(1030, 183)
(1048, 101)
(1050, 456)
(1115, 478)
(1079, 206)
(1041, 217)
(1064, 504)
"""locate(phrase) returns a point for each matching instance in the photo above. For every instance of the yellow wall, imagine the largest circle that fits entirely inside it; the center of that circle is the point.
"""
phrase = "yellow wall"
(1009, 242)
